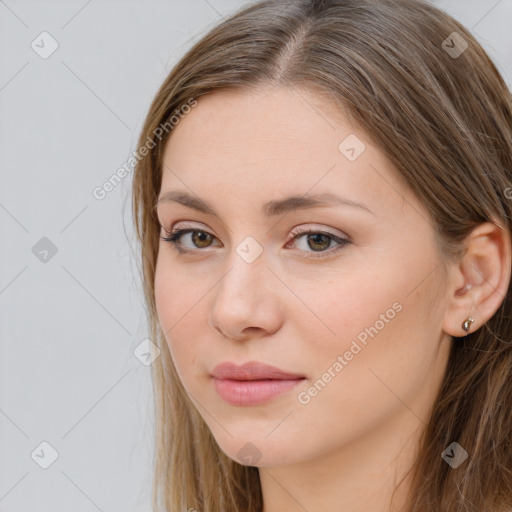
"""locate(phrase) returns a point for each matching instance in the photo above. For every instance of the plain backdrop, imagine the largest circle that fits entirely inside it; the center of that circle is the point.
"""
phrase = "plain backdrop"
(75, 400)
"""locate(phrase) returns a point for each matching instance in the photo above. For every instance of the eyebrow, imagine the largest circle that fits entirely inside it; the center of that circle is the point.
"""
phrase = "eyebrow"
(269, 209)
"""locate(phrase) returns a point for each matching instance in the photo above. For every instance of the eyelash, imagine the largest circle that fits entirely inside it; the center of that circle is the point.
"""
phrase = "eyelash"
(175, 235)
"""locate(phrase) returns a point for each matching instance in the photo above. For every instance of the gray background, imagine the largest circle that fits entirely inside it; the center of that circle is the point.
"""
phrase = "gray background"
(70, 321)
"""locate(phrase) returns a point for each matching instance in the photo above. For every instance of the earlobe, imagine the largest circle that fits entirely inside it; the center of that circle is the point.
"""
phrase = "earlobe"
(484, 272)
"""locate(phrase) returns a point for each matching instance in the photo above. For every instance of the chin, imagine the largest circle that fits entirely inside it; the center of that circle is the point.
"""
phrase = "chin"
(259, 451)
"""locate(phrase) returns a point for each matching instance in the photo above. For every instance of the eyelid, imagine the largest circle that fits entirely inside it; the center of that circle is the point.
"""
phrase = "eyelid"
(316, 229)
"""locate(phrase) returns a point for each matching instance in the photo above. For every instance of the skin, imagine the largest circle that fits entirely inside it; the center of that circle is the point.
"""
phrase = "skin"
(351, 444)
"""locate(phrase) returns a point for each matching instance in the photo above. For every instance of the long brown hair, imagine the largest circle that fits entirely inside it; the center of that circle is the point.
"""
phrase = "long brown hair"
(442, 114)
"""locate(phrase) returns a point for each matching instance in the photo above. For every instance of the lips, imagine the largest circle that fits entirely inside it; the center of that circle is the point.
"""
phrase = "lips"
(252, 383)
(252, 370)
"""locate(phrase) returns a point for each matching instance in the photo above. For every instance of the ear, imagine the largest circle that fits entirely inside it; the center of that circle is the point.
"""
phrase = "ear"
(480, 279)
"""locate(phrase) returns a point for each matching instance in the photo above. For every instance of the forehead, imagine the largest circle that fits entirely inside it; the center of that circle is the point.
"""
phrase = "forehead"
(274, 142)
(263, 122)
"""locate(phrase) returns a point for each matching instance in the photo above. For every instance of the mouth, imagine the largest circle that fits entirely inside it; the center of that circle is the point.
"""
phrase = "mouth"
(252, 383)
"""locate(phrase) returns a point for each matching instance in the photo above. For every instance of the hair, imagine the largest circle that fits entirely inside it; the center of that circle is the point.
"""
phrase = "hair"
(445, 123)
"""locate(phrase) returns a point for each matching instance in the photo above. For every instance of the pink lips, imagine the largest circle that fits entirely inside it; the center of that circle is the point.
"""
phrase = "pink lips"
(252, 383)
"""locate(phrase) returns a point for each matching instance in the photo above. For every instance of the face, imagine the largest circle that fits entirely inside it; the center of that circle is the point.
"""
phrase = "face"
(338, 294)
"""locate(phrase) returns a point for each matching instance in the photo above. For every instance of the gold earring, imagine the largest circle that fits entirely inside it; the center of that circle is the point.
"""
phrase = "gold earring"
(467, 324)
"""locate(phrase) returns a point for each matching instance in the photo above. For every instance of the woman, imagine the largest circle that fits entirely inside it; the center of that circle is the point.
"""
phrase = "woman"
(324, 216)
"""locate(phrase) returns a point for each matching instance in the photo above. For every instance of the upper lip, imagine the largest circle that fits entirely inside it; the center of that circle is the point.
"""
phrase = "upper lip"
(252, 370)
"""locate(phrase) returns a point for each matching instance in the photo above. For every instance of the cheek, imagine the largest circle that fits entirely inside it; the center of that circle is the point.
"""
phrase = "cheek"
(165, 297)
(368, 369)
(372, 323)
(334, 313)
(181, 314)
(379, 339)
(175, 295)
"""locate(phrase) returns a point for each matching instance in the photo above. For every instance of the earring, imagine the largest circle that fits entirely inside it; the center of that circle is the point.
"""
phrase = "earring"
(467, 324)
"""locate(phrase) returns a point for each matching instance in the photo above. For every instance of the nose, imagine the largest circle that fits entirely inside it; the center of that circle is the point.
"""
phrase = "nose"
(246, 301)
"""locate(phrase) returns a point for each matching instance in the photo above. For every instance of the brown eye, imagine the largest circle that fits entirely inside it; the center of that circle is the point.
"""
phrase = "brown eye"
(201, 238)
(318, 241)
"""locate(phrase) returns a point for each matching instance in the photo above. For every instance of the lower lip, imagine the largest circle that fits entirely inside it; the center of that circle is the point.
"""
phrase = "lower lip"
(251, 392)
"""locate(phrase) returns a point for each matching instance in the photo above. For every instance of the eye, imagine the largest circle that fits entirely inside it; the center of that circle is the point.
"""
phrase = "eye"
(317, 240)
(199, 237)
